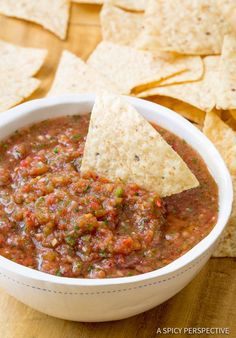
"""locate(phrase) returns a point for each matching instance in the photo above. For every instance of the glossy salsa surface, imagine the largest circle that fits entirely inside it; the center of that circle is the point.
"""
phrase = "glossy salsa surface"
(54, 220)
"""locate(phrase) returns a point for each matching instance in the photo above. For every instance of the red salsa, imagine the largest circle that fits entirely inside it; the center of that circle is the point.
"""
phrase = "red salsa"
(54, 220)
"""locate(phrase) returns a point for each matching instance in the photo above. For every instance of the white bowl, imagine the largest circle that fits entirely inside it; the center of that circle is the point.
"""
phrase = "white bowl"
(110, 299)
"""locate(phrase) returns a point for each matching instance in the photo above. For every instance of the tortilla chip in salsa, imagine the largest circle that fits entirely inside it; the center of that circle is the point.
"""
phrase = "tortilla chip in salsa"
(121, 144)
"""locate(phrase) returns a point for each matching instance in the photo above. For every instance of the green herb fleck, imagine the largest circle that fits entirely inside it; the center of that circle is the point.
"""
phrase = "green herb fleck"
(90, 268)
(103, 253)
(119, 192)
(39, 201)
(70, 240)
(58, 273)
(85, 238)
(56, 150)
(189, 209)
(87, 188)
(78, 265)
(76, 137)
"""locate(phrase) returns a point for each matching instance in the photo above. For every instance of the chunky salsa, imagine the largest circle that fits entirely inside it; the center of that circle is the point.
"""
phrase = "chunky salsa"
(57, 221)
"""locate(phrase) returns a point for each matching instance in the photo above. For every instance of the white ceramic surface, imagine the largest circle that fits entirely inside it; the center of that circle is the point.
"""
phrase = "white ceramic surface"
(117, 298)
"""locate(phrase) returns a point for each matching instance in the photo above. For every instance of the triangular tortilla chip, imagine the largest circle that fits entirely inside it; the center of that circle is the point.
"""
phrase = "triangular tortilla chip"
(15, 90)
(19, 60)
(194, 68)
(200, 94)
(183, 26)
(194, 74)
(227, 243)
(226, 94)
(132, 5)
(75, 76)
(228, 10)
(17, 65)
(224, 138)
(52, 15)
(194, 65)
(134, 70)
(121, 144)
(119, 26)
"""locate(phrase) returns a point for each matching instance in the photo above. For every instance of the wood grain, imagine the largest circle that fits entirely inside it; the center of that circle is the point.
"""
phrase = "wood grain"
(209, 301)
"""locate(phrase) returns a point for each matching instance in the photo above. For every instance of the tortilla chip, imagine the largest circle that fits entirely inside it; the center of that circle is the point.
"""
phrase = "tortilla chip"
(183, 26)
(136, 70)
(189, 112)
(16, 60)
(15, 90)
(121, 144)
(132, 5)
(223, 137)
(226, 94)
(195, 71)
(200, 94)
(226, 246)
(52, 15)
(192, 75)
(75, 76)
(119, 26)
(228, 10)
(17, 65)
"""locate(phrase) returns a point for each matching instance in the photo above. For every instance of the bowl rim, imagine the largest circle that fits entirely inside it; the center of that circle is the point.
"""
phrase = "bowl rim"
(198, 250)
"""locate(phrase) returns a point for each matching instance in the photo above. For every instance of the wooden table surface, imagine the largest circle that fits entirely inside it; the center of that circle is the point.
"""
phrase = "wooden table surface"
(208, 301)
